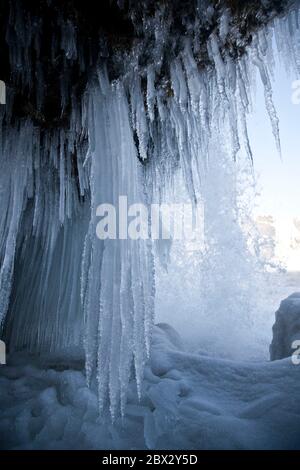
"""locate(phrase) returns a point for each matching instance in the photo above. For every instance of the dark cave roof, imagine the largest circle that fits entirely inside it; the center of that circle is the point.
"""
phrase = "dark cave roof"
(103, 28)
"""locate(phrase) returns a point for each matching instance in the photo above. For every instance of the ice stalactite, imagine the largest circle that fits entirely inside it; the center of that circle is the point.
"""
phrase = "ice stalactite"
(14, 187)
(47, 291)
(41, 234)
(117, 279)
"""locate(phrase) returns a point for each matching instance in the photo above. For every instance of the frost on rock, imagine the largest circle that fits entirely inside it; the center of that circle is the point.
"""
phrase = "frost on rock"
(286, 328)
(126, 136)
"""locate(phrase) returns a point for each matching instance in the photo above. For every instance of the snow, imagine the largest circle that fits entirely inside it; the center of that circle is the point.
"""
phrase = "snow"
(188, 401)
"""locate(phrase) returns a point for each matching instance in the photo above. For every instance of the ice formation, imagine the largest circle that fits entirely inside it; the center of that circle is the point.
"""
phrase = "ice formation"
(125, 136)
(117, 277)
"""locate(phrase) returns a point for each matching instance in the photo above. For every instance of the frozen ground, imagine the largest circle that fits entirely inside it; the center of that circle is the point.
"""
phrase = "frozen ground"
(190, 401)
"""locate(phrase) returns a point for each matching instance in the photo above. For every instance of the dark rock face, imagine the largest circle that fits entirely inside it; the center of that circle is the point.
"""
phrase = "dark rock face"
(35, 28)
(101, 31)
(286, 328)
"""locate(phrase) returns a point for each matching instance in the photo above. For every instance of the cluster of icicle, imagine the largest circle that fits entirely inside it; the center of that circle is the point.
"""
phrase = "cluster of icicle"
(69, 287)
(117, 275)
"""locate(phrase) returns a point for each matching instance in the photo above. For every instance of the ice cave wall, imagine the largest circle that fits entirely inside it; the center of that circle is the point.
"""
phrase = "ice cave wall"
(125, 133)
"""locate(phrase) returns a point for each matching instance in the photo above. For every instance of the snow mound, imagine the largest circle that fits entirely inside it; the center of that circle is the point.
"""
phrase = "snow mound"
(286, 328)
(188, 401)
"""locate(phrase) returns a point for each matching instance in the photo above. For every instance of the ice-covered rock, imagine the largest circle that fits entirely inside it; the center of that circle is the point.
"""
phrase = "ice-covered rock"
(286, 328)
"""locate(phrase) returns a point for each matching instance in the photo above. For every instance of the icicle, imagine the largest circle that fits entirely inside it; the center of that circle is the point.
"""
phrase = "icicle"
(257, 60)
(122, 298)
(68, 41)
(139, 121)
(150, 92)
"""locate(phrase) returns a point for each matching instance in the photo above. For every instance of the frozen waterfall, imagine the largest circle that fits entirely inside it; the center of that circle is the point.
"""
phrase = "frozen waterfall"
(60, 286)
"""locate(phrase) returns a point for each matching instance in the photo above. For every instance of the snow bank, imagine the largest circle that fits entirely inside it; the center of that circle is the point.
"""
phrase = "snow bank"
(188, 401)
(286, 328)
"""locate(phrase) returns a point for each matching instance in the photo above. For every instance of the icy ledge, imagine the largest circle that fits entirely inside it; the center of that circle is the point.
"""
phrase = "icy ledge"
(188, 401)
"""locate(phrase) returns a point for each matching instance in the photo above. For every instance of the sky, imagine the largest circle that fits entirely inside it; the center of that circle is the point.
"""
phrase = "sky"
(278, 180)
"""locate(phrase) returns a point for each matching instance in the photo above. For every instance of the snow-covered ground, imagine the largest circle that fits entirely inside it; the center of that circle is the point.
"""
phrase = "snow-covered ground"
(189, 401)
